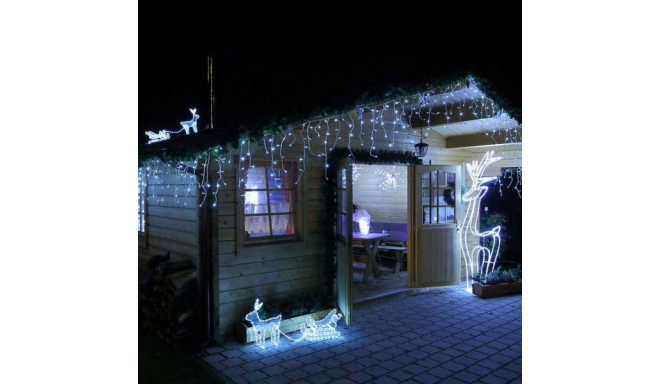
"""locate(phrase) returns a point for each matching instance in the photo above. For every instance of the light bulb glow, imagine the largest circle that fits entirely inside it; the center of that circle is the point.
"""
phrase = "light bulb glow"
(480, 259)
(310, 330)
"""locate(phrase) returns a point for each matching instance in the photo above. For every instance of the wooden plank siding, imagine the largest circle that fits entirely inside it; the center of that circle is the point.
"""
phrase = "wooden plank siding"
(268, 271)
(274, 271)
(242, 273)
(171, 225)
(383, 205)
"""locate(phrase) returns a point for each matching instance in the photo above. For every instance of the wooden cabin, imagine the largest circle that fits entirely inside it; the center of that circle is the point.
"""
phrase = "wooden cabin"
(263, 233)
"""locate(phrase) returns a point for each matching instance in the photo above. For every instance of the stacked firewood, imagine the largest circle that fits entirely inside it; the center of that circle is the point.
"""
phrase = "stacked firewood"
(168, 300)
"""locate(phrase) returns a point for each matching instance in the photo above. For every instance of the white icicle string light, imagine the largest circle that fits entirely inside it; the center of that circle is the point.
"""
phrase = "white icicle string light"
(480, 259)
(453, 102)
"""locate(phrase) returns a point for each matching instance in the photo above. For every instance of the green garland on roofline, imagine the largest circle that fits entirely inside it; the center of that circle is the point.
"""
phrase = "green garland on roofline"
(206, 142)
(329, 193)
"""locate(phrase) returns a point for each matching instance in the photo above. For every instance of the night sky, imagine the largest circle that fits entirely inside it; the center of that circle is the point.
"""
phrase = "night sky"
(280, 72)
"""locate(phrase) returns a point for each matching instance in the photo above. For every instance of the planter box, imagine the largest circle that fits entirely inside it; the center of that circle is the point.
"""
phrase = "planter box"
(245, 332)
(485, 291)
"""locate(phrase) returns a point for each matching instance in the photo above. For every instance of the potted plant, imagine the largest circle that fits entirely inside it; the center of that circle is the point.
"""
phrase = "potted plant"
(498, 282)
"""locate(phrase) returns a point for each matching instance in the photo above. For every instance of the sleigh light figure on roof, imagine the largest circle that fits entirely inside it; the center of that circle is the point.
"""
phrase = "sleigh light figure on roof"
(164, 134)
(156, 137)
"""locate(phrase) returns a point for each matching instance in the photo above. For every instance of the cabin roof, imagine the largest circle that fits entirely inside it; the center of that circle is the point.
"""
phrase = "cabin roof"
(256, 110)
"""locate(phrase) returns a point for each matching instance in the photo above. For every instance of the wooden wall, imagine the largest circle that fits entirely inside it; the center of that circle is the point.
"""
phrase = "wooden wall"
(170, 224)
(384, 205)
(243, 273)
(268, 271)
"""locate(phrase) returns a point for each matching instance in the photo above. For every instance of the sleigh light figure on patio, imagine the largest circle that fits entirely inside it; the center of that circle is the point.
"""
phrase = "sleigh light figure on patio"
(323, 329)
(480, 259)
(271, 325)
(310, 330)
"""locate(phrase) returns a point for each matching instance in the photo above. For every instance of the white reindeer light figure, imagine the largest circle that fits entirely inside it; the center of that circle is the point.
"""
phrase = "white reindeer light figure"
(271, 325)
(480, 259)
(191, 123)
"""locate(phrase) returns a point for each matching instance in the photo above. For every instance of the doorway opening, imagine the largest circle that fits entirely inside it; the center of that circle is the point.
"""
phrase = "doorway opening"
(380, 231)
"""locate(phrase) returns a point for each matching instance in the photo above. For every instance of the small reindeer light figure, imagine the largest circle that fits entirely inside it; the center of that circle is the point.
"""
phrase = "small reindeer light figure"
(271, 325)
(480, 259)
(191, 123)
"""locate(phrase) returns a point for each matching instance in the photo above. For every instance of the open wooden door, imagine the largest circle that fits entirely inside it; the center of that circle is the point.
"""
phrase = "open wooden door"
(434, 257)
(344, 239)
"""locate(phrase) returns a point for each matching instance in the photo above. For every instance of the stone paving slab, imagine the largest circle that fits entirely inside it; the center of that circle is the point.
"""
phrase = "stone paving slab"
(441, 335)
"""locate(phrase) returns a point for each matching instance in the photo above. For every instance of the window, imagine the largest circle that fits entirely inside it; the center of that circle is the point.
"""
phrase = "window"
(437, 195)
(141, 197)
(270, 202)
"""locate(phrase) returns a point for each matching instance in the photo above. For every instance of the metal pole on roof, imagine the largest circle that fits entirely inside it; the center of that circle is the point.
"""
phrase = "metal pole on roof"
(209, 78)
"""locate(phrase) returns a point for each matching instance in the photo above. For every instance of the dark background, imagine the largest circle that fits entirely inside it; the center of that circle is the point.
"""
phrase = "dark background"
(294, 67)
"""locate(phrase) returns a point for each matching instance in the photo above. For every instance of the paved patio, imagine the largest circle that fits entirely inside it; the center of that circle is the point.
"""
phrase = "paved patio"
(442, 335)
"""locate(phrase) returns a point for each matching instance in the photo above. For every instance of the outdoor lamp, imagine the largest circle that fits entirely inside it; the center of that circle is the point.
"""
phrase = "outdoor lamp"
(364, 223)
(421, 148)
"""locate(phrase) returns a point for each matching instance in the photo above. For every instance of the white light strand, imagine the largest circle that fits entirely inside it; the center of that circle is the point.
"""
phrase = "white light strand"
(480, 259)
(309, 330)
(453, 102)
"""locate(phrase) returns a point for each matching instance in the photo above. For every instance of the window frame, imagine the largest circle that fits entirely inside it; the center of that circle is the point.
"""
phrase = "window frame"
(434, 201)
(295, 190)
(142, 208)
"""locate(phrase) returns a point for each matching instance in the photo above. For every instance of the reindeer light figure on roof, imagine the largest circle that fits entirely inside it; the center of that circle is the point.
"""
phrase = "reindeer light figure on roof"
(480, 259)
(186, 125)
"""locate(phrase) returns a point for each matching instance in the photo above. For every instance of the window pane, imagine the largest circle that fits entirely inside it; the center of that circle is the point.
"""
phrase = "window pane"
(450, 214)
(257, 226)
(343, 177)
(427, 215)
(282, 225)
(344, 201)
(426, 197)
(442, 178)
(255, 202)
(426, 177)
(434, 179)
(442, 215)
(341, 224)
(441, 197)
(278, 179)
(451, 178)
(280, 201)
(256, 178)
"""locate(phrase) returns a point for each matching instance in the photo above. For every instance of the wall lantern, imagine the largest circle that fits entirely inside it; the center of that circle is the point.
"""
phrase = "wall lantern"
(421, 148)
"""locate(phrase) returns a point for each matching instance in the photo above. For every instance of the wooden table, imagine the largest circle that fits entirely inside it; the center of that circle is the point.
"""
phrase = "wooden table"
(370, 244)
